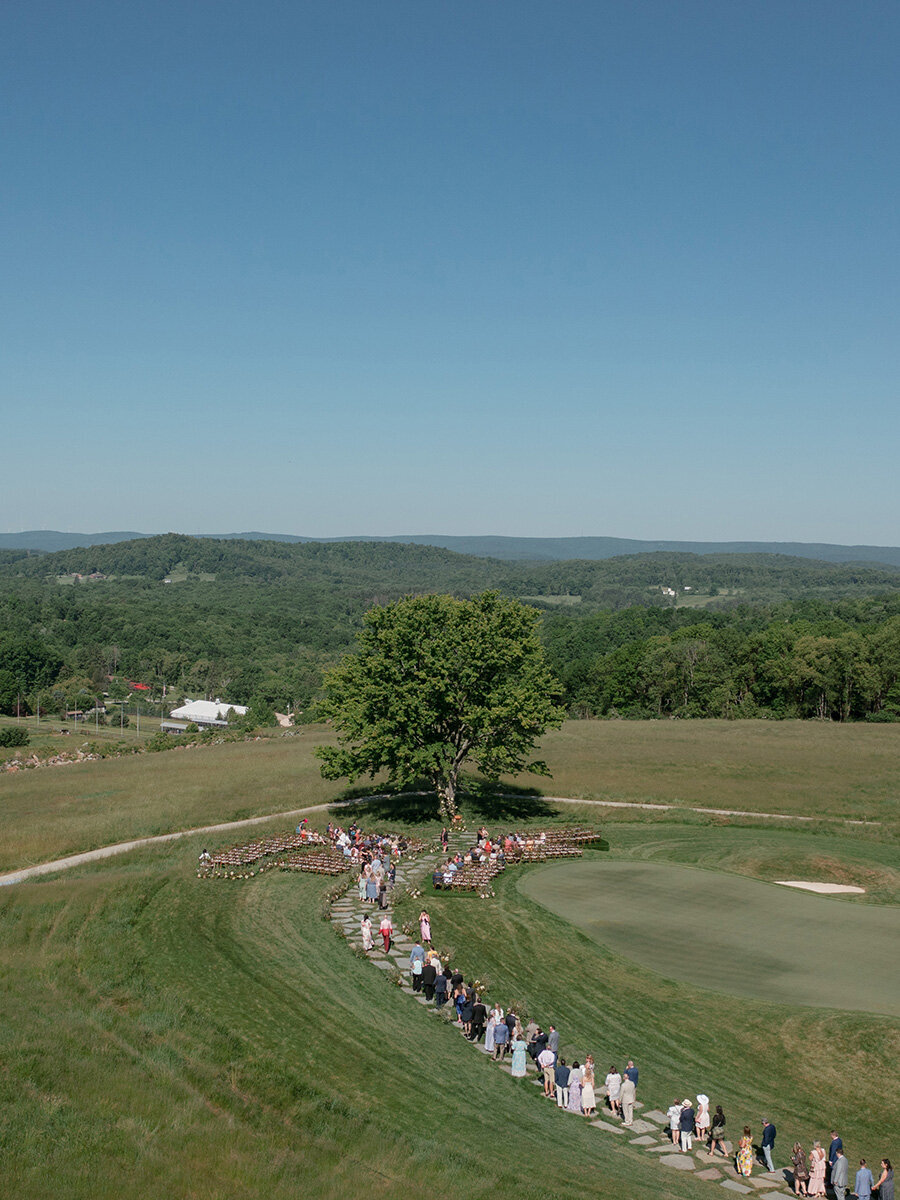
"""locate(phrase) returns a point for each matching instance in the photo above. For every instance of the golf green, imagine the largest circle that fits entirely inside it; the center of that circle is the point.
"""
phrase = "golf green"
(729, 933)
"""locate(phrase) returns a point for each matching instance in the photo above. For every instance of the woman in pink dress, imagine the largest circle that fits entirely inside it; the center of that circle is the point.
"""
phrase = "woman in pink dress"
(425, 927)
(816, 1185)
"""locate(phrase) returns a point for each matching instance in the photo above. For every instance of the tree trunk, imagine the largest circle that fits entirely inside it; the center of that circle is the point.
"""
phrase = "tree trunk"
(446, 790)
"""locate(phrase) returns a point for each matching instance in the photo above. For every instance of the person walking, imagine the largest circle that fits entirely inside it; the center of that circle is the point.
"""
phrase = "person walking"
(416, 963)
(440, 989)
(365, 928)
(626, 1099)
(575, 1076)
(429, 978)
(816, 1184)
(489, 1032)
(885, 1181)
(517, 1067)
(479, 1016)
(799, 1170)
(386, 929)
(686, 1125)
(613, 1083)
(840, 1174)
(588, 1095)
(501, 1040)
(768, 1144)
(744, 1156)
(425, 926)
(862, 1188)
(717, 1132)
(546, 1060)
(561, 1076)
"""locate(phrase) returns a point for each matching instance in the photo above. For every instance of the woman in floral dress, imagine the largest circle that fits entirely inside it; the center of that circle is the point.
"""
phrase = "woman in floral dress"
(744, 1157)
(799, 1169)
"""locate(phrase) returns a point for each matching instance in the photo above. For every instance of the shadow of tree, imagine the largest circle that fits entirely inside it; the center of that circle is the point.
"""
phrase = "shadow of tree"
(411, 808)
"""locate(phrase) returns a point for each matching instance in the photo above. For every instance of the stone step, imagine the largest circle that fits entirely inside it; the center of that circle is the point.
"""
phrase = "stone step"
(605, 1125)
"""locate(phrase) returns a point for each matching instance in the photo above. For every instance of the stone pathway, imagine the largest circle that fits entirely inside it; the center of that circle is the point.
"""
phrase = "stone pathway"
(647, 1132)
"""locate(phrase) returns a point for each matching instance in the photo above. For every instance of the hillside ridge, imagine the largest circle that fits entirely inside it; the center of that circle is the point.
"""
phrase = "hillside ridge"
(523, 549)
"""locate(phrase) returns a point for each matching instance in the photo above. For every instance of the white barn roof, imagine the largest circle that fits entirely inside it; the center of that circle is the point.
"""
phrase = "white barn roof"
(207, 710)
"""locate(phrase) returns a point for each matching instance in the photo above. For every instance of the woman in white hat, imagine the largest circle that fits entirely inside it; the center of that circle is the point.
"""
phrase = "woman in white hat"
(702, 1120)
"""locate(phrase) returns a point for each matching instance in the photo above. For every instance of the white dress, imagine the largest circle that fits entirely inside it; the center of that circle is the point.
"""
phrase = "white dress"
(613, 1085)
(489, 1034)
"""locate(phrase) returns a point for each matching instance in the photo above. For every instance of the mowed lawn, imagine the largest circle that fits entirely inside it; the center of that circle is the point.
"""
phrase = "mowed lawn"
(800, 768)
(730, 934)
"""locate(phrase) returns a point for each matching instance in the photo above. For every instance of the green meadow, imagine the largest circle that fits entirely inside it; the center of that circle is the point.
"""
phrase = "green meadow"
(174, 1037)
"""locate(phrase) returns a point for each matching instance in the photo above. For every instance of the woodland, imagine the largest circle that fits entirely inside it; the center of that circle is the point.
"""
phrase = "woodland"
(639, 636)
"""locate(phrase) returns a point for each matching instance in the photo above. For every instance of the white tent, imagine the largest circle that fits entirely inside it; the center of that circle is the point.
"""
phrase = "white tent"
(207, 712)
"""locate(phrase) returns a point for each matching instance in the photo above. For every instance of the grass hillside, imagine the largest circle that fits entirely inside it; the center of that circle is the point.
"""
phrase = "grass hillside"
(170, 1037)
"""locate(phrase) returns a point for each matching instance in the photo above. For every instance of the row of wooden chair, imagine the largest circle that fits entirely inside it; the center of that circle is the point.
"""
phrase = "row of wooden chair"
(327, 863)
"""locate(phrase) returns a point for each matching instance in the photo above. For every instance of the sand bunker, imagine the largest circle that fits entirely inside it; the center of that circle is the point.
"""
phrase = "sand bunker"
(826, 889)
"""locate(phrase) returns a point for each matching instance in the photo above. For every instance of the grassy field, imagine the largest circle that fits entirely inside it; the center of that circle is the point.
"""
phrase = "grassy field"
(744, 937)
(176, 1038)
(801, 768)
(807, 768)
(54, 811)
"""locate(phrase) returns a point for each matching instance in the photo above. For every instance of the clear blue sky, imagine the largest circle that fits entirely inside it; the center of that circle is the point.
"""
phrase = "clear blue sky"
(549, 268)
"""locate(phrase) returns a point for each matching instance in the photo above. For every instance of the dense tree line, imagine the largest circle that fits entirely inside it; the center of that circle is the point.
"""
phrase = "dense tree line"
(262, 621)
(838, 660)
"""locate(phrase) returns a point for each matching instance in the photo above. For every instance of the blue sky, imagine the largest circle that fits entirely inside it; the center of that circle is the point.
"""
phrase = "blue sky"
(524, 268)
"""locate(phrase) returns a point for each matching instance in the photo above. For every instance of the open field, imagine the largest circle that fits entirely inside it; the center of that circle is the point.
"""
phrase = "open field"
(800, 768)
(744, 937)
(807, 768)
(170, 1037)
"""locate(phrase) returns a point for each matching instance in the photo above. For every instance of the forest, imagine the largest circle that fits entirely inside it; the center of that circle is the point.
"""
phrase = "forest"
(650, 635)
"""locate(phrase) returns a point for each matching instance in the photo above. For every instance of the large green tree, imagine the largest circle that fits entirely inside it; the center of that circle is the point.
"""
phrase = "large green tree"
(437, 681)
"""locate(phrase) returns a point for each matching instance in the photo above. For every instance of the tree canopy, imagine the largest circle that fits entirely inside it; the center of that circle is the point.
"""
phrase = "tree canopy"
(436, 681)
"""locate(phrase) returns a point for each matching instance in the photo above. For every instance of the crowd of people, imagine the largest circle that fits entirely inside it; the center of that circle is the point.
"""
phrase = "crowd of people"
(485, 851)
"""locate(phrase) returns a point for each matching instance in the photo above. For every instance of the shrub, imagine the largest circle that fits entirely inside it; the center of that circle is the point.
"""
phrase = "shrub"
(13, 735)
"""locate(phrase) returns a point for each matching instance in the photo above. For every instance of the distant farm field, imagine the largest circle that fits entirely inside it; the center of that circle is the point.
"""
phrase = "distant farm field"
(799, 768)
(803, 768)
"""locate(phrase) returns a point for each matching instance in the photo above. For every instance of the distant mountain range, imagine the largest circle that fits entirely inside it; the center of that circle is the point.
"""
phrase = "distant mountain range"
(510, 549)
